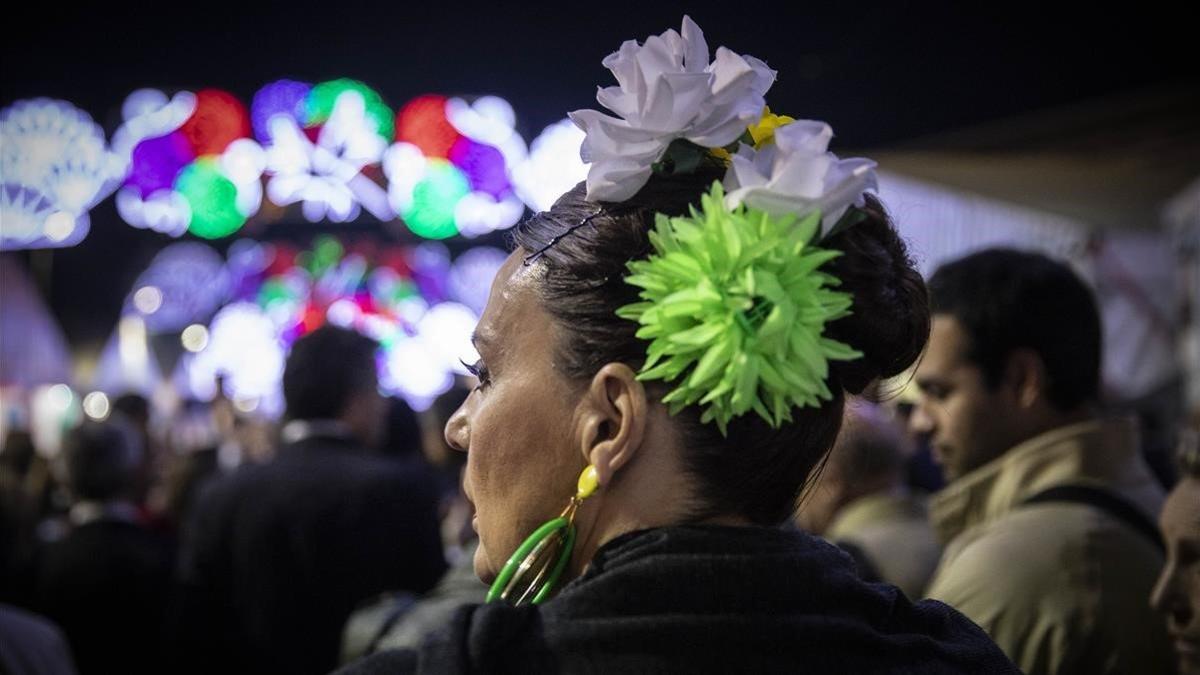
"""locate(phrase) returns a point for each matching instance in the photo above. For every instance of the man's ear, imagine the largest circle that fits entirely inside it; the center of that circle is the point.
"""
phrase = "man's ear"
(612, 419)
(1025, 376)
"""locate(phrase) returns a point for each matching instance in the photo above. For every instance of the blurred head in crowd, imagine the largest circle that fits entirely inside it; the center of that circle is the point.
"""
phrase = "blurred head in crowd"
(193, 427)
(102, 460)
(402, 435)
(135, 408)
(1014, 351)
(1177, 593)
(18, 452)
(868, 457)
(433, 427)
(457, 510)
(331, 375)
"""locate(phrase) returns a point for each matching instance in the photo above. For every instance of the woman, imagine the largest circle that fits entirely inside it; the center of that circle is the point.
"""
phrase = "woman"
(1177, 593)
(693, 379)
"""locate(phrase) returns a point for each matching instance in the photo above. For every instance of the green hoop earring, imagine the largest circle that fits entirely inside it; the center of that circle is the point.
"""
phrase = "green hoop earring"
(533, 570)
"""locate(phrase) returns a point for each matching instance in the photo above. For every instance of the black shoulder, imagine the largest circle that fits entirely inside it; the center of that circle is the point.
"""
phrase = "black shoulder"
(390, 662)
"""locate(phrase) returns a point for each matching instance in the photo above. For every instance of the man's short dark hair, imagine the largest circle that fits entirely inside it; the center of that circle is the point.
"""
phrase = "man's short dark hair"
(134, 406)
(325, 370)
(103, 459)
(1007, 300)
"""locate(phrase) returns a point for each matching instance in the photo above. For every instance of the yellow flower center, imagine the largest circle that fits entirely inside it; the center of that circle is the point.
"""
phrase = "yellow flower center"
(764, 131)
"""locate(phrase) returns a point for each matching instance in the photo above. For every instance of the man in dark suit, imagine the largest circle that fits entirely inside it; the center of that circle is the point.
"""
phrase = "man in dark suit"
(107, 582)
(278, 555)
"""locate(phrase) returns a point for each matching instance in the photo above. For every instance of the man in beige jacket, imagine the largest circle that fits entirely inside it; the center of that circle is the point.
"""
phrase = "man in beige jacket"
(1049, 510)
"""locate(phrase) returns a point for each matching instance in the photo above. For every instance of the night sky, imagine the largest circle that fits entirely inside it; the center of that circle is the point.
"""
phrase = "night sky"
(880, 74)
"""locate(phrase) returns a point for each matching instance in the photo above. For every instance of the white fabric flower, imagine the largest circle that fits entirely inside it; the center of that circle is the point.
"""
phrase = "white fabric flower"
(796, 174)
(666, 89)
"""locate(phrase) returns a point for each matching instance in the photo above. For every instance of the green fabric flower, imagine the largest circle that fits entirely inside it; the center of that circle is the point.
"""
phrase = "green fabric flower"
(734, 305)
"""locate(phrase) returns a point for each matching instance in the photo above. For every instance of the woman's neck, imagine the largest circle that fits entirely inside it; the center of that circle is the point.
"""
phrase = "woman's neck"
(604, 530)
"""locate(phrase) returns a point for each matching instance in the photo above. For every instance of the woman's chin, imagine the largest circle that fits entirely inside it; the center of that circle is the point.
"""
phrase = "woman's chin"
(483, 567)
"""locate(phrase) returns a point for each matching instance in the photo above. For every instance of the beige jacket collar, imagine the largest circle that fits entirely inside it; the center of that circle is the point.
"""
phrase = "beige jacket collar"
(1098, 452)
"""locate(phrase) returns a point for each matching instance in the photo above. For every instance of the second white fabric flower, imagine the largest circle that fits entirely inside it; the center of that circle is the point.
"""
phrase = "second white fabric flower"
(796, 174)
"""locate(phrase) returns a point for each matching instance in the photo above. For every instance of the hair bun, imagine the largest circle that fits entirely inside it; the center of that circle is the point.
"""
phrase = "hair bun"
(890, 320)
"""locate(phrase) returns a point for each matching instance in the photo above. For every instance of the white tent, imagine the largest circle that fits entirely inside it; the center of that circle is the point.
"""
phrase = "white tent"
(33, 350)
(1112, 186)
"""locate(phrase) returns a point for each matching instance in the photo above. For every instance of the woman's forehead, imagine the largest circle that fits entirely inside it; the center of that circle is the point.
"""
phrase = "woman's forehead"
(512, 309)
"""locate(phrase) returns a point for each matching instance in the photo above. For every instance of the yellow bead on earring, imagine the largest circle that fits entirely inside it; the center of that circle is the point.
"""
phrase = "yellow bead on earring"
(589, 480)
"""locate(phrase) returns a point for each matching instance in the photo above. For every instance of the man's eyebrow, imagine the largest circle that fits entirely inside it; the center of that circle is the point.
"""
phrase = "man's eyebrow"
(478, 339)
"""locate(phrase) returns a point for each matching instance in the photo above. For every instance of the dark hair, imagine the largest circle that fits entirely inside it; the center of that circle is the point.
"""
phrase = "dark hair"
(325, 370)
(439, 414)
(1007, 300)
(135, 407)
(870, 446)
(18, 451)
(402, 435)
(755, 471)
(103, 459)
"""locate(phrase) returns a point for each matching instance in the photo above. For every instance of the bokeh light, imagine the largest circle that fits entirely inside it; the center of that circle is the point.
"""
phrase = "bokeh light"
(472, 273)
(315, 156)
(193, 282)
(59, 225)
(147, 299)
(194, 338)
(157, 161)
(96, 406)
(244, 348)
(218, 120)
(193, 167)
(430, 214)
(423, 123)
(401, 296)
(483, 165)
(212, 199)
(320, 103)
(60, 397)
(53, 160)
(282, 97)
(553, 166)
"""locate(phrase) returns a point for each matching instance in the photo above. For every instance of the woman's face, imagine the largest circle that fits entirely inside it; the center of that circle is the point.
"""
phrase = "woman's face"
(517, 426)
(1177, 593)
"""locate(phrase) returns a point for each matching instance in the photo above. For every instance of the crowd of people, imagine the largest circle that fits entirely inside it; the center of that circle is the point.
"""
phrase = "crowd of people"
(697, 439)
(151, 558)
(351, 535)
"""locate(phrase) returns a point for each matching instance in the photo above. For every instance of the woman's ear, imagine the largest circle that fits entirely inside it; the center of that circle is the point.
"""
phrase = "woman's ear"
(612, 419)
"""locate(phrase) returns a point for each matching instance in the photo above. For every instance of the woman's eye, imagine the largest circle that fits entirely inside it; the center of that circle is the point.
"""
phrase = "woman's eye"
(477, 369)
